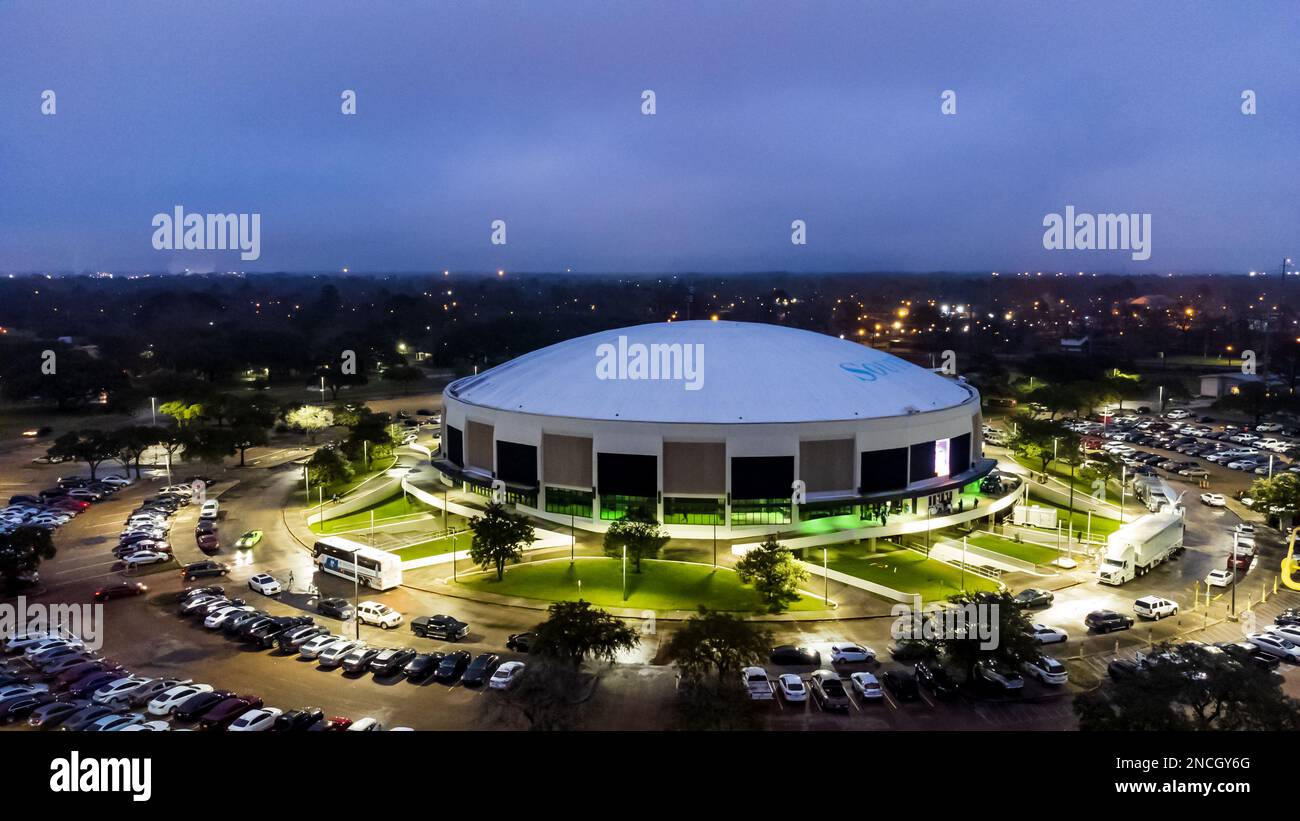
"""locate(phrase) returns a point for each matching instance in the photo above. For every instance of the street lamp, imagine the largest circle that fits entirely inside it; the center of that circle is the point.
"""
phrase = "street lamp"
(153, 411)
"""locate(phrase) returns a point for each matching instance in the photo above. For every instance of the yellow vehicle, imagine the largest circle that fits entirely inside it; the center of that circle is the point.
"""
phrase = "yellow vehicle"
(1290, 564)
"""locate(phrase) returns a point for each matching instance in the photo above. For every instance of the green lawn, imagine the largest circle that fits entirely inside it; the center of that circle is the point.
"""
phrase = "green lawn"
(905, 570)
(393, 507)
(1017, 550)
(659, 586)
(361, 476)
(1102, 526)
(433, 547)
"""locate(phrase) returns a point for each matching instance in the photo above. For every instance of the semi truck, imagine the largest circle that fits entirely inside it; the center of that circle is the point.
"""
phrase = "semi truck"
(1141, 545)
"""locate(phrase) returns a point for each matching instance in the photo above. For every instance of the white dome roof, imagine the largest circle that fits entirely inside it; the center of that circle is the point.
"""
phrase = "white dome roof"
(710, 372)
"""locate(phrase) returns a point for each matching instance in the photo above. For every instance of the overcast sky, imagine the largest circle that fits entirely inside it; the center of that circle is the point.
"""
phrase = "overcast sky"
(530, 112)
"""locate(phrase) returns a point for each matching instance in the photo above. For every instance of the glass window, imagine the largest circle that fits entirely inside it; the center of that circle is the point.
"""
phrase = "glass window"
(614, 507)
(569, 502)
(680, 510)
(760, 512)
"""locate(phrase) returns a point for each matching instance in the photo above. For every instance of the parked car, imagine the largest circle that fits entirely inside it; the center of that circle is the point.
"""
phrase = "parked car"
(299, 720)
(935, 678)
(335, 608)
(222, 714)
(998, 677)
(790, 655)
(480, 669)
(257, 720)
(358, 661)
(1046, 669)
(867, 686)
(506, 675)
(442, 627)
(391, 661)
(313, 647)
(1155, 607)
(1219, 578)
(520, 642)
(901, 684)
(376, 613)
(295, 637)
(1275, 646)
(333, 655)
(848, 653)
(166, 702)
(422, 666)
(1106, 621)
(452, 666)
(828, 690)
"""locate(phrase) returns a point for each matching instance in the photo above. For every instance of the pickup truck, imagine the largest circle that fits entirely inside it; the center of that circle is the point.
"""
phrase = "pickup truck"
(446, 628)
(758, 684)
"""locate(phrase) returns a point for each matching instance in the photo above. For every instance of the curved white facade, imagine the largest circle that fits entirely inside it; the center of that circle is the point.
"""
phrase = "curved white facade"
(724, 420)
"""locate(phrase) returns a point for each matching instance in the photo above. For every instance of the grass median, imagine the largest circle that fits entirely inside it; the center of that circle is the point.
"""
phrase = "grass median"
(659, 586)
(906, 571)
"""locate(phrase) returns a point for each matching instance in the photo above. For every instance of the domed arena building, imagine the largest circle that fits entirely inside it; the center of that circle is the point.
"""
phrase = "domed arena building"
(728, 429)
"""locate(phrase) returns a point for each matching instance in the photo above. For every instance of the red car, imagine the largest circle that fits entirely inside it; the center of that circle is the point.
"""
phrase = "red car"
(73, 506)
(219, 716)
(334, 724)
(208, 542)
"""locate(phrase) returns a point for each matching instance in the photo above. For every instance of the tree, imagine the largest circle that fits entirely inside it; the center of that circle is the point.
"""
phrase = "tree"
(1038, 439)
(1278, 496)
(774, 572)
(717, 643)
(133, 441)
(181, 411)
(575, 632)
(327, 466)
(404, 375)
(995, 615)
(335, 379)
(248, 436)
(643, 539)
(21, 551)
(310, 419)
(94, 447)
(209, 445)
(499, 537)
(1187, 687)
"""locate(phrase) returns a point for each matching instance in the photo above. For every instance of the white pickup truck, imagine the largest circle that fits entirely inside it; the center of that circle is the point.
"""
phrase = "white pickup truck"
(758, 684)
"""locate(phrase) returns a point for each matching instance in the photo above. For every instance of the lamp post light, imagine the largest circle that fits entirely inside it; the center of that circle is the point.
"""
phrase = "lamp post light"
(826, 578)
(624, 572)
(153, 411)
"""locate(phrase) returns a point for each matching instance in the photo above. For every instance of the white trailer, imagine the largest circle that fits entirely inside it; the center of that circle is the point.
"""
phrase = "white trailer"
(1141, 545)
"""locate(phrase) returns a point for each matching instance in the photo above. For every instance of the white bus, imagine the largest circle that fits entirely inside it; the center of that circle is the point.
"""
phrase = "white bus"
(370, 566)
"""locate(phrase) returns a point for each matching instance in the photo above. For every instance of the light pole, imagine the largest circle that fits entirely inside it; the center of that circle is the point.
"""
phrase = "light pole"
(624, 572)
(963, 564)
(356, 595)
(153, 411)
(453, 557)
(322, 390)
(826, 577)
(715, 544)
(573, 539)
(1122, 479)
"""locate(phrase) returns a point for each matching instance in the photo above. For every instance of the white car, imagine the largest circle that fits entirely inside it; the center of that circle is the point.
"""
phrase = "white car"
(39, 646)
(1046, 669)
(365, 725)
(1290, 632)
(866, 685)
(372, 612)
(116, 481)
(312, 648)
(116, 722)
(1246, 529)
(1218, 578)
(265, 584)
(209, 510)
(146, 693)
(1155, 607)
(1194, 473)
(155, 726)
(217, 619)
(506, 675)
(13, 690)
(791, 687)
(1214, 499)
(146, 557)
(1276, 646)
(24, 640)
(166, 702)
(255, 721)
(1178, 413)
(119, 692)
(1048, 635)
(846, 653)
(332, 656)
